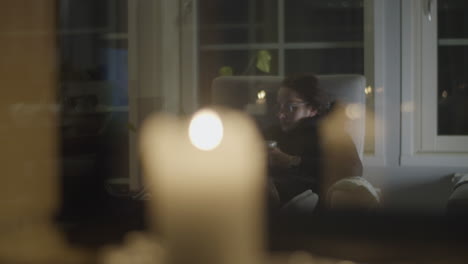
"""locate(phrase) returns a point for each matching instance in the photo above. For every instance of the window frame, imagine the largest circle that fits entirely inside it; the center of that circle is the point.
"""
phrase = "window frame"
(154, 69)
(420, 143)
(134, 168)
(374, 70)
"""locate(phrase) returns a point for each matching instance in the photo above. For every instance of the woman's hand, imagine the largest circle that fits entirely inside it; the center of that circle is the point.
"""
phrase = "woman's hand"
(278, 158)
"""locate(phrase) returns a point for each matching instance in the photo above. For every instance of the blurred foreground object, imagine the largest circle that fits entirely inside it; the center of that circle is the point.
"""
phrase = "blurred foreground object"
(138, 248)
(29, 193)
(207, 188)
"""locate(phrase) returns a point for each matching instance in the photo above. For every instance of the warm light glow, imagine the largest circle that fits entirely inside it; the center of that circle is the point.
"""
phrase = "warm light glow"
(368, 90)
(354, 111)
(444, 94)
(261, 94)
(206, 130)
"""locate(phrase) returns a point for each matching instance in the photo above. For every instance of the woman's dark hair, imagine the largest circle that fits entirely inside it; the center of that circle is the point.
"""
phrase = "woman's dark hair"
(306, 86)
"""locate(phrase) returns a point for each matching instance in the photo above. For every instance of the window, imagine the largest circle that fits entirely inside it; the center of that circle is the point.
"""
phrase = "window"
(297, 36)
(96, 127)
(324, 37)
(435, 91)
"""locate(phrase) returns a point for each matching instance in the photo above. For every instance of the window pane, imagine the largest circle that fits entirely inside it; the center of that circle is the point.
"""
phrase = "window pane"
(324, 20)
(237, 62)
(452, 67)
(453, 20)
(94, 101)
(325, 61)
(234, 22)
(453, 91)
(325, 37)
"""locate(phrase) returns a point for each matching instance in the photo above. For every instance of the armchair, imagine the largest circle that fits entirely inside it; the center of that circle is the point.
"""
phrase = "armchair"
(257, 96)
(242, 92)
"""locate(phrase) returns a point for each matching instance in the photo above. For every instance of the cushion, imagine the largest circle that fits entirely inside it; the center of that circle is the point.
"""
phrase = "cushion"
(458, 200)
(353, 193)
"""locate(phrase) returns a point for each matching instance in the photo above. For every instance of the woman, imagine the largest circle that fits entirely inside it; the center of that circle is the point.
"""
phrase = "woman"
(299, 161)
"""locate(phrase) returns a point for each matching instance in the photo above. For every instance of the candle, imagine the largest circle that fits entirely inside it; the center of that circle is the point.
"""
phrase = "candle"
(260, 107)
(207, 180)
(261, 97)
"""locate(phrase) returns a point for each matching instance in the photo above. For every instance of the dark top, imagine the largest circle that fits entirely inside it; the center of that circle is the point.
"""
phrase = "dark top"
(304, 141)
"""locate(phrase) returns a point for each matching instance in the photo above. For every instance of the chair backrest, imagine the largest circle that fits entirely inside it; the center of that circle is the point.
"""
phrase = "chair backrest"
(242, 92)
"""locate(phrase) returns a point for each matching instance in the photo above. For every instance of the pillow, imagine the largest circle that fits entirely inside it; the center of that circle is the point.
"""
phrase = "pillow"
(458, 200)
(353, 193)
(302, 203)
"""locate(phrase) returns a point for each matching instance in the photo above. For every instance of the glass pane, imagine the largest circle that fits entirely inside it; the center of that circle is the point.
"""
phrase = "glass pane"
(453, 22)
(94, 101)
(237, 62)
(453, 91)
(325, 61)
(324, 20)
(242, 21)
(452, 67)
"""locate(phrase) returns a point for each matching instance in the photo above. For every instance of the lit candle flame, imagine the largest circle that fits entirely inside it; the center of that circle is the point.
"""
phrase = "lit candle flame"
(368, 90)
(444, 94)
(261, 94)
(206, 130)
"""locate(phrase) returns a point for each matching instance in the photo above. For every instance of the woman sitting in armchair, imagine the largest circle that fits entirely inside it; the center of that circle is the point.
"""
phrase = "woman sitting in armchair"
(312, 149)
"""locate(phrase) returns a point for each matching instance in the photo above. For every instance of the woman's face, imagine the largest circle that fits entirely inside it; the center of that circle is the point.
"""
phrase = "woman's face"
(292, 108)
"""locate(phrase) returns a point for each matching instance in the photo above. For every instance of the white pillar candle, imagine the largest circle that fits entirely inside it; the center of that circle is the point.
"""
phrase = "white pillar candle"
(208, 186)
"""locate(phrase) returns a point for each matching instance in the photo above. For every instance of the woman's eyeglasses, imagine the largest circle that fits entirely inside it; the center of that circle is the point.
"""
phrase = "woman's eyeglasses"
(289, 107)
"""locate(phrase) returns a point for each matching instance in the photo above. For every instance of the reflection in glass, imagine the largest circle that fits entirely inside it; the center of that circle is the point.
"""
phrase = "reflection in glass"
(94, 99)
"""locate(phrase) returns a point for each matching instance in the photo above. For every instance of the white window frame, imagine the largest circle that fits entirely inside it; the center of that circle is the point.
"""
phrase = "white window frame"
(374, 70)
(154, 68)
(420, 143)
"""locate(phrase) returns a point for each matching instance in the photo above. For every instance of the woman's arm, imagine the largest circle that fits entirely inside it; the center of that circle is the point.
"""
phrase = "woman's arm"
(283, 160)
